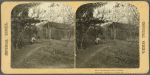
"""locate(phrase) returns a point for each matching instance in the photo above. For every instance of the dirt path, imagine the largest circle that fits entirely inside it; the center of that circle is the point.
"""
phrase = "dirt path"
(122, 54)
(90, 56)
(19, 60)
(28, 54)
(44, 56)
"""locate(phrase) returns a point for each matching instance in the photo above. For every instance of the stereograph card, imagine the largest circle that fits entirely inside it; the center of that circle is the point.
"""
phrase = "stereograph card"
(79, 37)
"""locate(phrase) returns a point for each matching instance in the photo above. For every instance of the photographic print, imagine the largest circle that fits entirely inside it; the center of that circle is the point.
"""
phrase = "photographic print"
(75, 37)
(107, 35)
(42, 36)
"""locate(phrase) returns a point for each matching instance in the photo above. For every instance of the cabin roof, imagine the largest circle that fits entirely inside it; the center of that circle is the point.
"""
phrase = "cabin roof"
(127, 27)
(26, 20)
(123, 25)
(57, 25)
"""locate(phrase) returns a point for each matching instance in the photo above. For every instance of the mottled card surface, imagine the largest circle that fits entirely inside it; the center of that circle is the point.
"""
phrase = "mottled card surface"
(79, 37)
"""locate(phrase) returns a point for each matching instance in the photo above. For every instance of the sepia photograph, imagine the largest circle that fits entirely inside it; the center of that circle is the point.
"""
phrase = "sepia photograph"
(42, 36)
(74, 37)
(107, 35)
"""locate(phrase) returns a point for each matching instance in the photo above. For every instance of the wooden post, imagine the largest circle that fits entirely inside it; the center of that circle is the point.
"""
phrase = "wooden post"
(114, 31)
(95, 31)
(49, 33)
(111, 33)
(48, 29)
(81, 37)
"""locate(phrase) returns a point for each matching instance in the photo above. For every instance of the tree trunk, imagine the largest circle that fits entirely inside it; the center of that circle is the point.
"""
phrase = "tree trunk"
(69, 39)
(114, 33)
(95, 32)
(49, 33)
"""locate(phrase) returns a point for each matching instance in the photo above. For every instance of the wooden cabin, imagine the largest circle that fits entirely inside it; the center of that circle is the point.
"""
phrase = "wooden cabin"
(121, 31)
(52, 30)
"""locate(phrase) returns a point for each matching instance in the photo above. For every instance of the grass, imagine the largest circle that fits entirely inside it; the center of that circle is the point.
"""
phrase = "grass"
(54, 55)
(123, 54)
(126, 54)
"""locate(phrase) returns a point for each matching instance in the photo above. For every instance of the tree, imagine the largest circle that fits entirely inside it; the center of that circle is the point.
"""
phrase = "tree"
(85, 21)
(70, 17)
(52, 15)
(20, 23)
(108, 12)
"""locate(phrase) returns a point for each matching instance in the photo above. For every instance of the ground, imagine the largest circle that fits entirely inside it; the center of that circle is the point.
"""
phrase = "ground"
(45, 55)
(113, 54)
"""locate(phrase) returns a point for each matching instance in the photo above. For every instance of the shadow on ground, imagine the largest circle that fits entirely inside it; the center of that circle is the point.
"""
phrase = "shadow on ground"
(45, 55)
(113, 54)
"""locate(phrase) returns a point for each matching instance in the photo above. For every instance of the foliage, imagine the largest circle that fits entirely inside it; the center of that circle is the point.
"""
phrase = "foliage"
(21, 26)
(118, 12)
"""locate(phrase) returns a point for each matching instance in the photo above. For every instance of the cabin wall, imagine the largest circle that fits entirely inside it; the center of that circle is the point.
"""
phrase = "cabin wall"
(119, 33)
(55, 33)
(40, 33)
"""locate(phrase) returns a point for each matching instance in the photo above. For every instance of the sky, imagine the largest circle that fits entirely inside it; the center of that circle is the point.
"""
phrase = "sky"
(56, 12)
(107, 7)
(60, 13)
(118, 14)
